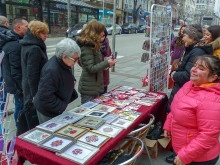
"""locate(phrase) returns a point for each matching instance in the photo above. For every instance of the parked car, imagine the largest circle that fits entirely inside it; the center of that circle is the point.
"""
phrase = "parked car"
(109, 29)
(142, 28)
(75, 30)
(129, 28)
(177, 28)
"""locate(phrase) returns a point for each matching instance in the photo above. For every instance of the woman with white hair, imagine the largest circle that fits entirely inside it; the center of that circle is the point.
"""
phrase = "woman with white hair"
(56, 86)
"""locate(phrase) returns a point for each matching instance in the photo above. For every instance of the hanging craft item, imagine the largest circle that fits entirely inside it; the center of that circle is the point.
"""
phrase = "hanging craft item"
(156, 49)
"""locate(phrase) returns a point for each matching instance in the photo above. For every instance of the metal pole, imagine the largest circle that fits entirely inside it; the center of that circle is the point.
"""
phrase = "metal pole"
(69, 16)
(48, 15)
(113, 33)
(103, 10)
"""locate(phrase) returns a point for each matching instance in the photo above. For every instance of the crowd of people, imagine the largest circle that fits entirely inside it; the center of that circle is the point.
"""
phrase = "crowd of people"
(194, 104)
(43, 88)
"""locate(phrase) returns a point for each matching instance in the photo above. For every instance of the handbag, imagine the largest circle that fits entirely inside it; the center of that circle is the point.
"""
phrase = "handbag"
(27, 119)
(74, 95)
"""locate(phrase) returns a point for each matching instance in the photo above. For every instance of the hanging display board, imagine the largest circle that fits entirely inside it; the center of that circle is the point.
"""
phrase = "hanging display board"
(156, 49)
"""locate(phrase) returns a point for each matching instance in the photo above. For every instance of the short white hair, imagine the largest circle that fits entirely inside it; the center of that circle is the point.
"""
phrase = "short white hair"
(67, 47)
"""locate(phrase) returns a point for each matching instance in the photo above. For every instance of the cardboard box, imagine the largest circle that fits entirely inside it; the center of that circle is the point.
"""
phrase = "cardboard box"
(155, 146)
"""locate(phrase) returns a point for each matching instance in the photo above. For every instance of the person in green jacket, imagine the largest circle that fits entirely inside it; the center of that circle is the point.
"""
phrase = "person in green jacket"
(91, 83)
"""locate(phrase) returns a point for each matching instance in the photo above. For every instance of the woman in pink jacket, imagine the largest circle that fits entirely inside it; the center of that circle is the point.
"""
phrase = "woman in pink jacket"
(194, 121)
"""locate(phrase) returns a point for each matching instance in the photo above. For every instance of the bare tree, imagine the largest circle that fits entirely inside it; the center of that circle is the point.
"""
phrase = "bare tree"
(135, 11)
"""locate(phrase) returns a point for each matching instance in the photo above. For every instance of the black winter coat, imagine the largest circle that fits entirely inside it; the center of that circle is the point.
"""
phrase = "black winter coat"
(11, 64)
(182, 74)
(56, 88)
(33, 58)
(5, 35)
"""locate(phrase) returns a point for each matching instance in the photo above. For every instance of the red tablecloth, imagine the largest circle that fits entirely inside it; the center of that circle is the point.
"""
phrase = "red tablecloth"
(36, 155)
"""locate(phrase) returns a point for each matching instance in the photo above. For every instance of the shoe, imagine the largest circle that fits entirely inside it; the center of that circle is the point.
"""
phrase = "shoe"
(170, 159)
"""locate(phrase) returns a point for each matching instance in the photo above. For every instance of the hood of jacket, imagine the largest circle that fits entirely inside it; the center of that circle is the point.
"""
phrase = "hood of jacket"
(29, 39)
(81, 44)
(7, 35)
(215, 44)
(207, 48)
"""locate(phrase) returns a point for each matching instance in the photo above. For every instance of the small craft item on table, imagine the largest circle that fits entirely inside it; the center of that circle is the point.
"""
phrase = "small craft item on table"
(94, 139)
(123, 88)
(57, 143)
(35, 136)
(132, 106)
(79, 111)
(91, 122)
(72, 131)
(110, 118)
(97, 113)
(89, 105)
(68, 118)
(109, 130)
(122, 123)
(104, 108)
(79, 152)
(51, 125)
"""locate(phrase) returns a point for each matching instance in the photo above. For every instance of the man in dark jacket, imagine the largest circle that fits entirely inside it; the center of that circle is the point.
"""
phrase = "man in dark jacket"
(11, 63)
(56, 86)
(3, 94)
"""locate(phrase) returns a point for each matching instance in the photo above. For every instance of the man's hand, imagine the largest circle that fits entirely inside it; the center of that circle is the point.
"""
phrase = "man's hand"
(74, 83)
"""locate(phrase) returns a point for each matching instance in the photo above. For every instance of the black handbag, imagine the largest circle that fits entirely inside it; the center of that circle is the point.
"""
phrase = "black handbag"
(27, 119)
(74, 95)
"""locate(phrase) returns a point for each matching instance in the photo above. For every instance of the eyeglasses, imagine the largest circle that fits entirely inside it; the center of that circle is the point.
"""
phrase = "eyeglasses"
(74, 59)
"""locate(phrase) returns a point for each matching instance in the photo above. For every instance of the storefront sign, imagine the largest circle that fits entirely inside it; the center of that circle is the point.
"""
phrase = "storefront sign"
(106, 12)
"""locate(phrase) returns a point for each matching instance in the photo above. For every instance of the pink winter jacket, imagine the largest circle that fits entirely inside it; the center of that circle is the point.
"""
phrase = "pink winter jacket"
(194, 123)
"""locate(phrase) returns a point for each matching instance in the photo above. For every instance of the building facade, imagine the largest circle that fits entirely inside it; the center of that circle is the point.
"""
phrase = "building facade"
(52, 12)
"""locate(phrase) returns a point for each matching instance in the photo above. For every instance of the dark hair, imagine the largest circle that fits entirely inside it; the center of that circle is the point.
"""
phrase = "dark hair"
(106, 33)
(212, 63)
(215, 31)
(18, 21)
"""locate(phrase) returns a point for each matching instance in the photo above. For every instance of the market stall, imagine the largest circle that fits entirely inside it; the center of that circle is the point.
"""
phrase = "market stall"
(62, 144)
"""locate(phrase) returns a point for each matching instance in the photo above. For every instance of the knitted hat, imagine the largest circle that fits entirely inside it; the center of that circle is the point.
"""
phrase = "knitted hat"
(192, 32)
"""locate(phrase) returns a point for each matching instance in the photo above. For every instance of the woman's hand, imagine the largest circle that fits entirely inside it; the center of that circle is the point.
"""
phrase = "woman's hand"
(172, 74)
(167, 134)
(177, 161)
(111, 62)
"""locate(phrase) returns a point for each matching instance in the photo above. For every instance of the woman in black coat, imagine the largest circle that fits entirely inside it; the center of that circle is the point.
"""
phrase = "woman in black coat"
(56, 86)
(33, 58)
(191, 36)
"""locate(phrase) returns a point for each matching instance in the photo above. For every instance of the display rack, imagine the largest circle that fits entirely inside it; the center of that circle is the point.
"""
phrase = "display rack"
(156, 48)
(6, 125)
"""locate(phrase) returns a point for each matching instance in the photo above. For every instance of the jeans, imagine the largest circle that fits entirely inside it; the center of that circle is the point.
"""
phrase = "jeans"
(3, 96)
(18, 107)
